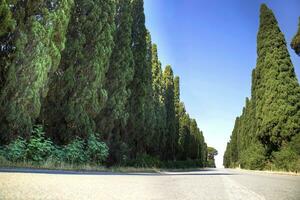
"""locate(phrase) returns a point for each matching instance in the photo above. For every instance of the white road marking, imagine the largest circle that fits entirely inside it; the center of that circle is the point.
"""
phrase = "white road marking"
(236, 191)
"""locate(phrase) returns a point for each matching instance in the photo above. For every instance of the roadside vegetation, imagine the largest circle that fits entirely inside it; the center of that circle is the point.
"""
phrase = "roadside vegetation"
(79, 68)
(267, 134)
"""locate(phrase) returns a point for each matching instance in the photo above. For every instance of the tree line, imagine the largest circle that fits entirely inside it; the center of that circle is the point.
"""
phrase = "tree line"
(83, 67)
(267, 134)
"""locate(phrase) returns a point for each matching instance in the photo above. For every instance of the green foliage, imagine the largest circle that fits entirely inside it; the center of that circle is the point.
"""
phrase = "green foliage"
(39, 148)
(145, 161)
(79, 67)
(286, 159)
(37, 55)
(295, 44)
(271, 119)
(97, 151)
(253, 157)
(170, 147)
(7, 23)
(75, 152)
(77, 94)
(16, 150)
(138, 86)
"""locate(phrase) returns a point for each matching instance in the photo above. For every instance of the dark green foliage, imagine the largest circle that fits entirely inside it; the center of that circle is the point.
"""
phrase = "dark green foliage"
(75, 152)
(77, 91)
(159, 140)
(211, 153)
(170, 146)
(296, 41)
(272, 117)
(253, 157)
(39, 148)
(96, 151)
(136, 122)
(16, 150)
(37, 54)
(83, 66)
(7, 22)
(113, 118)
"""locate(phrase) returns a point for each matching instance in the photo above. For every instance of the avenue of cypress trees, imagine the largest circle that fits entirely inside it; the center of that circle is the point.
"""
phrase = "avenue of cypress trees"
(86, 70)
(271, 119)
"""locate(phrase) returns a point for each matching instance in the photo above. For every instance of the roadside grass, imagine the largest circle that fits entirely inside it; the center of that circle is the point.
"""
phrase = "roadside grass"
(273, 171)
(50, 165)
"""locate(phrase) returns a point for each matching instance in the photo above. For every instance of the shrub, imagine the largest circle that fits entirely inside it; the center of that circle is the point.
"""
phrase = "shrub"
(253, 157)
(286, 159)
(145, 160)
(75, 152)
(39, 148)
(97, 151)
(16, 150)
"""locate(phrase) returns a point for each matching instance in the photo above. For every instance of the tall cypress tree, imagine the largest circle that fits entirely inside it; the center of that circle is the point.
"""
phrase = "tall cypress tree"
(177, 108)
(170, 113)
(159, 138)
(296, 41)
(149, 105)
(271, 119)
(77, 92)
(39, 39)
(113, 118)
(136, 107)
(277, 93)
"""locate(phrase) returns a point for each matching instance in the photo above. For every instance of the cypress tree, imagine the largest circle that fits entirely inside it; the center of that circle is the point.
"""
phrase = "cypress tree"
(177, 108)
(159, 106)
(136, 107)
(271, 119)
(113, 118)
(149, 105)
(277, 93)
(170, 113)
(296, 41)
(38, 40)
(77, 92)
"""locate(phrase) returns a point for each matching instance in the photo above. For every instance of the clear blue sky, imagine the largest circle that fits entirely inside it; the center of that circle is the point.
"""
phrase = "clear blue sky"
(211, 45)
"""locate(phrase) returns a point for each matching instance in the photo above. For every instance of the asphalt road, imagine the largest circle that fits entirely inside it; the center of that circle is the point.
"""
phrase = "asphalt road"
(208, 184)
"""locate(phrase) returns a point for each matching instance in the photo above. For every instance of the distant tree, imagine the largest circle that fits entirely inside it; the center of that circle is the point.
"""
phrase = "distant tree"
(211, 153)
(296, 41)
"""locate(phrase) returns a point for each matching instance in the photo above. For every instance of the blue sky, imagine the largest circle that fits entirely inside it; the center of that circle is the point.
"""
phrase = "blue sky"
(211, 45)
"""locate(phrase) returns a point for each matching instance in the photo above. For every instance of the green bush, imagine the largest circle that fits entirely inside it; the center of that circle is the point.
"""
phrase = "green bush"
(74, 152)
(39, 148)
(145, 161)
(253, 157)
(16, 150)
(97, 151)
(286, 159)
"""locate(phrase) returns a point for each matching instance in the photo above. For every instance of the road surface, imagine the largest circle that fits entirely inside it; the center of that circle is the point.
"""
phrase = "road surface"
(208, 184)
